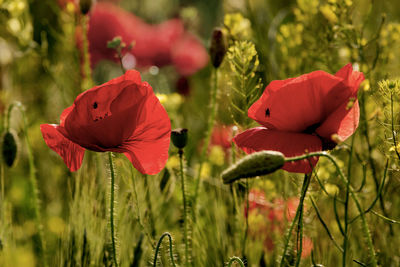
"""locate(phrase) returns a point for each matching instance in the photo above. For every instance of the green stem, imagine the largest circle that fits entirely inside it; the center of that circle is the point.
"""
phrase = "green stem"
(112, 226)
(185, 217)
(237, 259)
(299, 210)
(87, 71)
(393, 131)
(32, 180)
(210, 124)
(352, 194)
(247, 219)
(158, 249)
(150, 208)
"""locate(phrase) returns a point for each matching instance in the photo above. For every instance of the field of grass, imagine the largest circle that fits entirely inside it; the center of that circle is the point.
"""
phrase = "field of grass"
(187, 89)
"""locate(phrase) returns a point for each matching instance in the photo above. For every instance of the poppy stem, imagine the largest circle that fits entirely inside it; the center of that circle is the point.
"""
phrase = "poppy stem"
(112, 223)
(297, 219)
(237, 259)
(86, 69)
(33, 181)
(210, 124)
(171, 254)
(185, 210)
(352, 194)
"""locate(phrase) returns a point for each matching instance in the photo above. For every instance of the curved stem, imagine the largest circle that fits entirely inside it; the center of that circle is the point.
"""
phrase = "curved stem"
(237, 259)
(185, 217)
(352, 194)
(158, 249)
(210, 124)
(112, 226)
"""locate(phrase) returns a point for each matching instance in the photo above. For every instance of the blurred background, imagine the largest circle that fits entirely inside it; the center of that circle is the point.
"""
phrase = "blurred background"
(52, 50)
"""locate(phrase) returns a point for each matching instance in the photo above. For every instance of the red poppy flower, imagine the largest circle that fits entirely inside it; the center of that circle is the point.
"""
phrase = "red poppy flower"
(155, 45)
(123, 116)
(301, 114)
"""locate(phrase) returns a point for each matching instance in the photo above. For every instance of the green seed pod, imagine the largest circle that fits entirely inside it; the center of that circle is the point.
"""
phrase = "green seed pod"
(218, 47)
(259, 163)
(85, 6)
(179, 137)
(9, 148)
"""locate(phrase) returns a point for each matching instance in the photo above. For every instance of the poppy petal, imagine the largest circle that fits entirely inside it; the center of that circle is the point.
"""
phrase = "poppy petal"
(342, 122)
(147, 147)
(351, 78)
(71, 153)
(295, 104)
(290, 144)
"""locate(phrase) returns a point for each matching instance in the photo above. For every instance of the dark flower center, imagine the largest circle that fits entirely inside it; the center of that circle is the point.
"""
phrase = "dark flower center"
(267, 113)
(95, 105)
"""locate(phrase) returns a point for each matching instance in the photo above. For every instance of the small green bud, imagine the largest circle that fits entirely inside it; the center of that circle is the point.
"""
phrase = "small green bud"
(85, 6)
(218, 47)
(115, 43)
(259, 163)
(179, 137)
(9, 148)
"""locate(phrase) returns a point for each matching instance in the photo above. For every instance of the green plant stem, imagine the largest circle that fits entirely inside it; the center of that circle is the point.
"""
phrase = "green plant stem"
(299, 210)
(112, 226)
(150, 208)
(185, 217)
(210, 124)
(158, 249)
(237, 259)
(352, 194)
(247, 218)
(392, 123)
(86, 70)
(32, 180)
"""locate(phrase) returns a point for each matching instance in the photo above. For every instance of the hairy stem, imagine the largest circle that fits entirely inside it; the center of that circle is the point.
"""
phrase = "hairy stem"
(158, 249)
(112, 226)
(185, 217)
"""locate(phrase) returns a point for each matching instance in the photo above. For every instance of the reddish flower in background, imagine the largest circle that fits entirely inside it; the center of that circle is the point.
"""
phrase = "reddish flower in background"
(158, 45)
(123, 116)
(302, 114)
(273, 217)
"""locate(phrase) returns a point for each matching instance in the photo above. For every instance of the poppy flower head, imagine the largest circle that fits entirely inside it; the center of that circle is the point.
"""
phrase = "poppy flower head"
(123, 116)
(301, 115)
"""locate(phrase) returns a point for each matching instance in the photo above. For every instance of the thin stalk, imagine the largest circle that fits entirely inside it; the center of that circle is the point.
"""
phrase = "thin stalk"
(86, 69)
(352, 194)
(210, 124)
(307, 180)
(304, 189)
(158, 249)
(150, 208)
(185, 217)
(112, 226)
(237, 259)
(32, 180)
(247, 218)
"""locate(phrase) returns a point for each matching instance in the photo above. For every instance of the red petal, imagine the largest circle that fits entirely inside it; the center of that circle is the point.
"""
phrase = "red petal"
(104, 116)
(290, 144)
(342, 122)
(147, 147)
(299, 103)
(351, 78)
(71, 153)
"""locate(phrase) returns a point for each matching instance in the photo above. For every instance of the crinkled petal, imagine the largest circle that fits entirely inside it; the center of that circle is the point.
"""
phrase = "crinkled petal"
(290, 144)
(342, 122)
(147, 147)
(71, 153)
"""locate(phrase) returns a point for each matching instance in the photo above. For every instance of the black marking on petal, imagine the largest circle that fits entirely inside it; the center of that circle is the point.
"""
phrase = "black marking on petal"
(95, 105)
(267, 113)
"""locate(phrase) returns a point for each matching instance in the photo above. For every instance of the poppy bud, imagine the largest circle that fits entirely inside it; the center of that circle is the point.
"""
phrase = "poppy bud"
(218, 47)
(179, 137)
(115, 43)
(9, 148)
(258, 163)
(85, 6)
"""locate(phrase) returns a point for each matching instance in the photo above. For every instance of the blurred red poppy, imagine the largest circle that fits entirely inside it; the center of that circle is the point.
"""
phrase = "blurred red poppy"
(123, 116)
(154, 45)
(302, 114)
(274, 216)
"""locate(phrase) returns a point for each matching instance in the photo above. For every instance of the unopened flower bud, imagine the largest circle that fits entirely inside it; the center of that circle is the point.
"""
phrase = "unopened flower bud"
(259, 163)
(179, 137)
(85, 6)
(218, 47)
(9, 148)
(115, 43)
